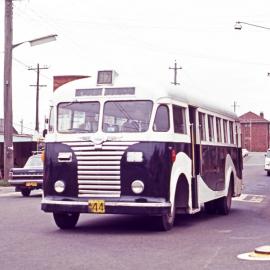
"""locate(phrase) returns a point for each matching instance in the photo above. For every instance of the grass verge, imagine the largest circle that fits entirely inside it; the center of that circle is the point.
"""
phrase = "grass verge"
(3, 183)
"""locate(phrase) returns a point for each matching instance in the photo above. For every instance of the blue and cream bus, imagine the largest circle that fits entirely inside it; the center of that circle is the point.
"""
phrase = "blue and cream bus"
(123, 148)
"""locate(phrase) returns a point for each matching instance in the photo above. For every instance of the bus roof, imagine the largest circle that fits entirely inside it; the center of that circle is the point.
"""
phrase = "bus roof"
(86, 89)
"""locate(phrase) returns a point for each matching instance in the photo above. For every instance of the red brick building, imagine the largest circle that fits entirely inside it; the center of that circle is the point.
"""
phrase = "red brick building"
(255, 132)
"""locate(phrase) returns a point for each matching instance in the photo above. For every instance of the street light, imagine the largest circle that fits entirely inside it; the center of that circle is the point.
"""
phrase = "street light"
(238, 25)
(37, 41)
(8, 119)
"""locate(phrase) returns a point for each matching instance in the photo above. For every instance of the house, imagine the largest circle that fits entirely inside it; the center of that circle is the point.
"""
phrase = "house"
(255, 132)
(23, 145)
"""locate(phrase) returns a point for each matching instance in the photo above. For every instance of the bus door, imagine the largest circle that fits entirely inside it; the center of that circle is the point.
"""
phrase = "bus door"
(195, 155)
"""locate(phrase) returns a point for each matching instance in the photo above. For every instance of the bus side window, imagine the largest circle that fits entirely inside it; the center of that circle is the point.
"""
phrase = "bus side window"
(179, 119)
(211, 128)
(202, 126)
(162, 122)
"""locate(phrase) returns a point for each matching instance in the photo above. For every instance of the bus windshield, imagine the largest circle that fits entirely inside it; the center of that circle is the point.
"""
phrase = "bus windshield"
(126, 116)
(77, 117)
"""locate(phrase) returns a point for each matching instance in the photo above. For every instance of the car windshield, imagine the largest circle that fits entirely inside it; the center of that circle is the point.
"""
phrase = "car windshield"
(34, 162)
(268, 154)
(126, 116)
(78, 117)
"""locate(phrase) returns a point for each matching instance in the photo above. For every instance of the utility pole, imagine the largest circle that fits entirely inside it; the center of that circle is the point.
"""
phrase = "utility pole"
(235, 105)
(175, 68)
(8, 119)
(37, 69)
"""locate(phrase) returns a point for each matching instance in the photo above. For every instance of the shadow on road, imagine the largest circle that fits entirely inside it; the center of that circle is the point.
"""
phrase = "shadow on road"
(125, 224)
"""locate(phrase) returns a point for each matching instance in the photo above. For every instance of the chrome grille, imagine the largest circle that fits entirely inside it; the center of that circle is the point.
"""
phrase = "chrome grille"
(99, 167)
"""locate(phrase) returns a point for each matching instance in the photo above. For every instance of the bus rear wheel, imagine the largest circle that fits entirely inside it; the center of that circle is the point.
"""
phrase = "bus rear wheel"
(66, 221)
(224, 204)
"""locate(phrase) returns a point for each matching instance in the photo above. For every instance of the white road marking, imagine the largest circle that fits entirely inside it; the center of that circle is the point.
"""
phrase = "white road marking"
(252, 198)
(252, 256)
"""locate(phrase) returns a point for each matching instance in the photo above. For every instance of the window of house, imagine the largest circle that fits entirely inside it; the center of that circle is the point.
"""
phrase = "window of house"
(225, 130)
(218, 125)
(179, 119)
(231, 132)
(162, 119)
(211, 128)
(202, 126)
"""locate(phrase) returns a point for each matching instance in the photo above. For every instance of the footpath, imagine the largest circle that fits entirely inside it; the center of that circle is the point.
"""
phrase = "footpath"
(4, 190)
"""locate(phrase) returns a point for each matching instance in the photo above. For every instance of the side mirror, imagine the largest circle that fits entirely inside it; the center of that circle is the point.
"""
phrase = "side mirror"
(44, 133)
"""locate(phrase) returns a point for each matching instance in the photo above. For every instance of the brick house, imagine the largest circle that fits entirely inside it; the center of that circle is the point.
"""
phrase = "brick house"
(255, 132)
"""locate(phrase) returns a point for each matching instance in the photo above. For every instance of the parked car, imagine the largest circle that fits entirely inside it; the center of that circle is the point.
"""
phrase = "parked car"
(244, 152)
(29, 177)
(267, 162)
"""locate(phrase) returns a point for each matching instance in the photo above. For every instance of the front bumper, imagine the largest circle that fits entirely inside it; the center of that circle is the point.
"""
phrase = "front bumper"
(149, 207)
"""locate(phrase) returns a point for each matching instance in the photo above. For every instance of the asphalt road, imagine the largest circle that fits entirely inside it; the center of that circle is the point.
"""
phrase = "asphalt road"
(29, 239)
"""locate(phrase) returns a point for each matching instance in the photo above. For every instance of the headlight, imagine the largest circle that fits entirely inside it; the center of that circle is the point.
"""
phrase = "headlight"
(134, 156)
(137, 186)
(59, 186)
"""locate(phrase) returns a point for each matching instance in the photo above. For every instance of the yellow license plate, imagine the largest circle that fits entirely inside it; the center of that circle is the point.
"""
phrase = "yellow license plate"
(31, 184)
(96, 206)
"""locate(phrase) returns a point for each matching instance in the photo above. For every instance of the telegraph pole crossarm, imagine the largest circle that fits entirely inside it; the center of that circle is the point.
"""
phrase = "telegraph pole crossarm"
(38, 85)
(175, 68)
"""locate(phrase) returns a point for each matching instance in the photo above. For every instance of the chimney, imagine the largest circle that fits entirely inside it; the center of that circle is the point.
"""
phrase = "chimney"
(261, 114)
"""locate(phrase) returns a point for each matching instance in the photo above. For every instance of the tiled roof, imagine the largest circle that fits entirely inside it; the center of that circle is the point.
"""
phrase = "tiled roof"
(252, 117)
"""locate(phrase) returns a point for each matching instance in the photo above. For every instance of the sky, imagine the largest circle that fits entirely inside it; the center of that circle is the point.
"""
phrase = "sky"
(142, 39)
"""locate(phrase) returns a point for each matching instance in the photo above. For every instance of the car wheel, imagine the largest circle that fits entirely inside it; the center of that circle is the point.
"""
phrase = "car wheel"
(268, 173)
(66, 221)
(26, 192)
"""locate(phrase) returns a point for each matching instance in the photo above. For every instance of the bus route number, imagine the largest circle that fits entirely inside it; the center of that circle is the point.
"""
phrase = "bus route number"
(96, 206)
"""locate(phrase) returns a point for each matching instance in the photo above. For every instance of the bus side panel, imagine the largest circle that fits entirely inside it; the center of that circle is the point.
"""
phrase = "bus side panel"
(213, 165)
(155, 171)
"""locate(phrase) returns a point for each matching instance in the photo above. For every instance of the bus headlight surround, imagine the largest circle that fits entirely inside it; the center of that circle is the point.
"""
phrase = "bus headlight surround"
(59, 186)
(137, 186)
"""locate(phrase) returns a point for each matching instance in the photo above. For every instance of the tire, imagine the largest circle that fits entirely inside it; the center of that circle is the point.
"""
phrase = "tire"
(224, 204)
(210, 207)
(66, 221)
(165, 222)
(26, 192)
(268, 173)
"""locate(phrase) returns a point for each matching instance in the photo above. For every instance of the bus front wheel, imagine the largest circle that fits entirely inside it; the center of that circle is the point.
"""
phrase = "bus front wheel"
(66, 221)
(165, 222)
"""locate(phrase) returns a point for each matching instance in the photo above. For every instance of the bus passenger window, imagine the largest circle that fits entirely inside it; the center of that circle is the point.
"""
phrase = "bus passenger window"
(179, 119)
(202, 126)
(225, 130)
(162, 123)
(218, 123)
(211, 128)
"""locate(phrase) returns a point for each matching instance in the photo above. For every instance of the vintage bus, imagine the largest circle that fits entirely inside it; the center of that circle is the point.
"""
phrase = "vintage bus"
(121, 148)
